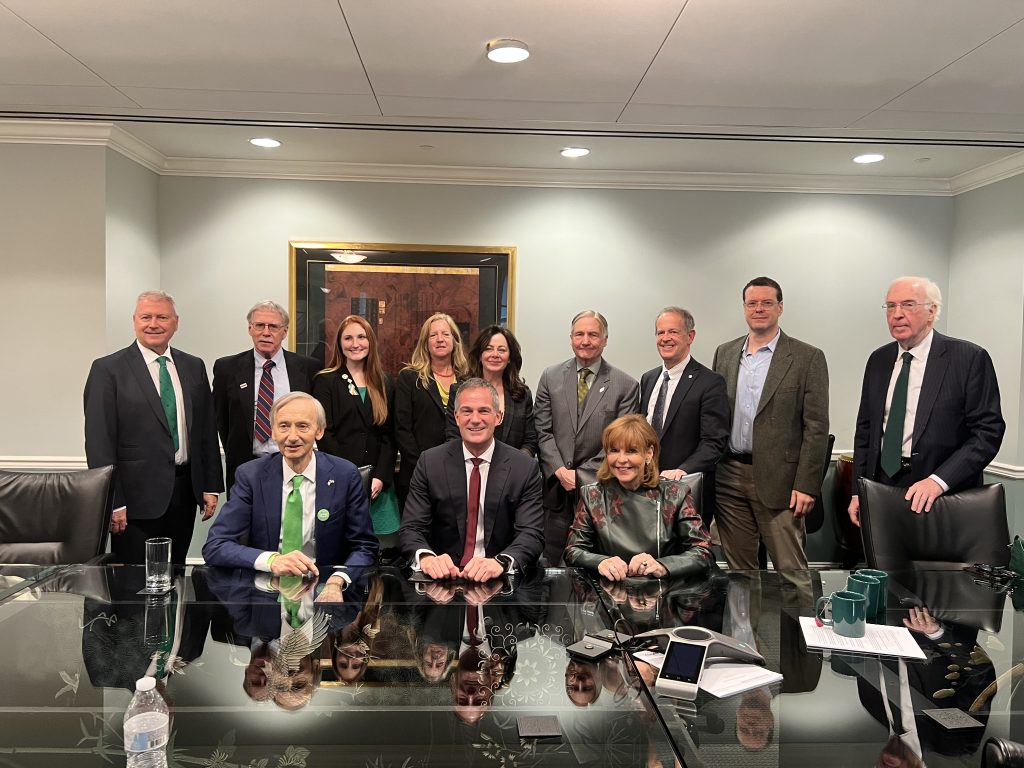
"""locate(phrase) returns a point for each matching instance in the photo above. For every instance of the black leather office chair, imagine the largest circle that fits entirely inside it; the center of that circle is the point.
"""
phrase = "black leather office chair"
(55, 518)
(1002, 753)
(816, 517)
(962, 528)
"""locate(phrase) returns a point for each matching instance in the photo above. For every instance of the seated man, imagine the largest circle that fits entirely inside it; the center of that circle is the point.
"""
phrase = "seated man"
(474, 506)
(298, 509)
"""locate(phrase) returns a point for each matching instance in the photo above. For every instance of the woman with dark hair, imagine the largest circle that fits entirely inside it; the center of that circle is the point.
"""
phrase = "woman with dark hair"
(497, 358)
(424, 390)
(357, 397)
(631, 522)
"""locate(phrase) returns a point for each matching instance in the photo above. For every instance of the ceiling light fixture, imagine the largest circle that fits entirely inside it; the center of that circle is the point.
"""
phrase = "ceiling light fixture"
(265, 142)
(505, 50)
(575, 152)
(348, 257)
(869, 158)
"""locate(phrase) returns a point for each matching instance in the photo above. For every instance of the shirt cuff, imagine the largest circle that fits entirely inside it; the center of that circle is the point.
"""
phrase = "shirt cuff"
(340, 572)
(941, 482)
(263, 562)
(416, 558)
(262, 582)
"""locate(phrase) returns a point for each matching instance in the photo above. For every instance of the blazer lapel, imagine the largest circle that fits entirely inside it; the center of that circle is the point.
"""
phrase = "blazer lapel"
(502, 431)
(782, 359)
(455, 475)
(363, 407)
(435, 393)
(325, 490)
(934, 373)
(686, 380)
(647, 386)
(595, 394)
(497, 476)
(731, 368)
(185, 379)
(246, 376)
(569, 380)
(272, 489)
(137, 364)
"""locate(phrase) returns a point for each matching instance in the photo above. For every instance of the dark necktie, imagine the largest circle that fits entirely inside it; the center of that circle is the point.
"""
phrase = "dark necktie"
(264, 402)
(892, 441)
(659, 406)
(473, 625)
(582, 387)
(168, 401)
(473, 512)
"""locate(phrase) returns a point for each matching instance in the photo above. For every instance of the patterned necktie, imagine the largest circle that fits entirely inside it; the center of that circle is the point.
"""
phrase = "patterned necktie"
(264, 402)
(659, 406)
(892, 442)
(291, 526)
(582, 387)
(168, 400)
(473, 513)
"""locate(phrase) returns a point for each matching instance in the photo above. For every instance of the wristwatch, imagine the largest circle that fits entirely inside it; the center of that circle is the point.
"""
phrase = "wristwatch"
(506, 562)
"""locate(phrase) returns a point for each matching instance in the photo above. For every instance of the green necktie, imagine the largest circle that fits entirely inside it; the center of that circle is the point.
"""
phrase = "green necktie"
(168, 401)
(892, 441)
(582, 387)
(289, 583)
(291, 526)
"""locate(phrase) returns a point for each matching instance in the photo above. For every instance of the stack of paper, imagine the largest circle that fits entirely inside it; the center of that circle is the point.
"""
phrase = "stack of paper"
(879, 640)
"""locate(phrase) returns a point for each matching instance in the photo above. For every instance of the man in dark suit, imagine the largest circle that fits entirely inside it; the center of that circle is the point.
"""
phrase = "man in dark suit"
(474, 506)
(238, 380)
(575, 401)
(686, 403)
(771, 474)
(946, 391)
(298, 511)
(148, 411)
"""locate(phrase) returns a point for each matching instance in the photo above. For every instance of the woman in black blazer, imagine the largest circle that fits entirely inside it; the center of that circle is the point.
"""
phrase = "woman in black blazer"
(497, 358)
(423, 392)
(358, 400)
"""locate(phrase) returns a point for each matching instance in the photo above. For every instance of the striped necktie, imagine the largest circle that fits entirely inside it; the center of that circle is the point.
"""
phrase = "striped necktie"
(264, 402)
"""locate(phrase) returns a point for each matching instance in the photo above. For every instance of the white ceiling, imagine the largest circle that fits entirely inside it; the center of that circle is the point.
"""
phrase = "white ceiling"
(602, 73)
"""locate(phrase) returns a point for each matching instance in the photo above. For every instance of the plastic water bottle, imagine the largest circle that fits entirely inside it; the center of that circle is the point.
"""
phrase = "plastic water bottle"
(146, 727)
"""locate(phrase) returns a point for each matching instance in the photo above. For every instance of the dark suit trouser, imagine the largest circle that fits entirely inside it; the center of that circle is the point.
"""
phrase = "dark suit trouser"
(177, 523)
(557, 521)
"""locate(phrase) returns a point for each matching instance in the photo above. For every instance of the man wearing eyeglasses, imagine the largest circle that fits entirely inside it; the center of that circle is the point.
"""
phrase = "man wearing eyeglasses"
(246, 386)
(943, 398)
(771, 473)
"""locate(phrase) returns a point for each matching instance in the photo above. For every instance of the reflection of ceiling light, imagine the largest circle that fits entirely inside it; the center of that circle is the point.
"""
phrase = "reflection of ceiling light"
(348, 257)
(865, 159)
(507, 51)
(575, 152)
(265, 142)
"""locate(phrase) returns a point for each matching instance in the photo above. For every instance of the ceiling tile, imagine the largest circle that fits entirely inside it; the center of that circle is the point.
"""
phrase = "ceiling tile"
(28, 58)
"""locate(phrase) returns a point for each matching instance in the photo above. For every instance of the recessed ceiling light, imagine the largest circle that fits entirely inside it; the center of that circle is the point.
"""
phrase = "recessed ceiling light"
(869, 158)
(505, 50)
(575, 152)
(266, 142)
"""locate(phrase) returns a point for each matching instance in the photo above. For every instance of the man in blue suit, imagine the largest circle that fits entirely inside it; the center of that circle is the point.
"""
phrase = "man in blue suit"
(300, 510)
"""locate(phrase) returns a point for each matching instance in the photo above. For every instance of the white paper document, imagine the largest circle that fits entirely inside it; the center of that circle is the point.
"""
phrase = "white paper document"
(879, 640)
(723, 678)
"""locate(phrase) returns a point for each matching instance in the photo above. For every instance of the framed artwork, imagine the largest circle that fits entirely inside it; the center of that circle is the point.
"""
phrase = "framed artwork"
(395, 288)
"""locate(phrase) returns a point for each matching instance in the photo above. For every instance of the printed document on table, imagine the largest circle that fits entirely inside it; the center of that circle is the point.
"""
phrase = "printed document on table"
(879, 640)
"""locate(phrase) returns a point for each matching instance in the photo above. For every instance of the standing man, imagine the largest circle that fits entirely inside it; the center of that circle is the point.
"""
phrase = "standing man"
(149, 412)
(246, 386)
(929, 418)
(474, 505)
(771, 474)
(575, 401)
(687, 405)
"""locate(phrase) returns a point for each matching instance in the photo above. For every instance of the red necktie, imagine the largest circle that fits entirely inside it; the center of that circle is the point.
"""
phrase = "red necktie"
(473, 625)
(264, 402)
(474, 512)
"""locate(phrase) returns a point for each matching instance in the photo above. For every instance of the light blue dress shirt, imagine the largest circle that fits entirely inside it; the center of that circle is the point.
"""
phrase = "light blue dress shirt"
(749, 385)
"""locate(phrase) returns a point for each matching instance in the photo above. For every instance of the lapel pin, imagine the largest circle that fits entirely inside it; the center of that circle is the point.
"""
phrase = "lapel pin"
(331, 481)
(322, 515)
(602, 389)
(243, 385)
(690, 376)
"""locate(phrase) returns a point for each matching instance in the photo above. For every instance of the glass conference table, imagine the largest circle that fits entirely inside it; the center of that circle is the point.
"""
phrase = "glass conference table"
(404, 676)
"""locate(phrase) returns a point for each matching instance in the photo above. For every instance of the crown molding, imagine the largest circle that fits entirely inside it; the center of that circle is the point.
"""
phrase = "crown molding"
(999, 170)
(135, 149)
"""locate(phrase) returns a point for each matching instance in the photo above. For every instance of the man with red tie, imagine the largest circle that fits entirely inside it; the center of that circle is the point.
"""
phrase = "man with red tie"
(474, 506)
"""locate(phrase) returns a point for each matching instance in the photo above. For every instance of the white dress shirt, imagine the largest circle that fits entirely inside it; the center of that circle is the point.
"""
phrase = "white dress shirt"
(675, 373)
(279, 374)
(181, 456)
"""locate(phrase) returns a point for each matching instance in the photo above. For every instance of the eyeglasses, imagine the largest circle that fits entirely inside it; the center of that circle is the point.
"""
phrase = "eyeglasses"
(261, 327)
(766, 304)
(909, 307)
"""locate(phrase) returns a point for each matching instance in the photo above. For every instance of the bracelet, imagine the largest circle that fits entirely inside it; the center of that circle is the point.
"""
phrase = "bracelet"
(270, 560)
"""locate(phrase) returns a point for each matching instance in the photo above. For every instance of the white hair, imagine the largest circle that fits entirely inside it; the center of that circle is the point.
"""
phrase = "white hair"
(156, 296)
(931, 290)
(291, 397)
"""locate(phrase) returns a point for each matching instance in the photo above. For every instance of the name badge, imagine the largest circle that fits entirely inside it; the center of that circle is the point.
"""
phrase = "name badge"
(322, 515)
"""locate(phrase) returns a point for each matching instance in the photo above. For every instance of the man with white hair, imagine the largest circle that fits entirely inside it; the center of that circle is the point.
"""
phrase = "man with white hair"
(929, 418)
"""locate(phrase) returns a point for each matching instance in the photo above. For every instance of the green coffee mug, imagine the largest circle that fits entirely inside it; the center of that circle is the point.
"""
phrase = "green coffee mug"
(868, 586)
(883, 589)
(848, 613)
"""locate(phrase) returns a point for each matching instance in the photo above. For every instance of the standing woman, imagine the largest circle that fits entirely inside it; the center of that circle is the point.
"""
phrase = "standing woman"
(497, 358)
(422, 392)
(357, 397)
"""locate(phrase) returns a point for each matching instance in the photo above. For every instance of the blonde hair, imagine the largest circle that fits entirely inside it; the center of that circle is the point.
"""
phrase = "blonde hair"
(373, 369)
(420, 361)
(631, 431)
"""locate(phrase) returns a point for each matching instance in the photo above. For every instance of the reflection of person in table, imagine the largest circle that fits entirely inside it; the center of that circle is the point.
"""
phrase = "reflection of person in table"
(633, 522)
(581, 682)
(478, 675)
(755, 722)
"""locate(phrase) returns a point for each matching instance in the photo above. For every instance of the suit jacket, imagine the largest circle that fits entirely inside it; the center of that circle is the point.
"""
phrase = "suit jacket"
(234, 401)
(573, 441)
(125, 426)
(419, 421)
(517, 426)
(791, 423)
(958, 427)
(253, 514)
(435, 511)
(696, 428)
(351, 433)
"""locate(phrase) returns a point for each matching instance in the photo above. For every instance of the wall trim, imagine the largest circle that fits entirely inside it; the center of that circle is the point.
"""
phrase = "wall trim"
(997, 468)
(988, 174)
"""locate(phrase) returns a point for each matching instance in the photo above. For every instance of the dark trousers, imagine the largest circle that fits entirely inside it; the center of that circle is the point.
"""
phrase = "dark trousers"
(176, 523)
(557, 521)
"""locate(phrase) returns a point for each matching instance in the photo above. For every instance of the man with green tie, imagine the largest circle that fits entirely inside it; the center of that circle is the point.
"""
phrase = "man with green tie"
(149, 412)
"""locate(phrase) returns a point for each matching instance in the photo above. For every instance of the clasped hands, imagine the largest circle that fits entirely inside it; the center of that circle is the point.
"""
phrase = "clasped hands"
(477, 569)
(643, 564)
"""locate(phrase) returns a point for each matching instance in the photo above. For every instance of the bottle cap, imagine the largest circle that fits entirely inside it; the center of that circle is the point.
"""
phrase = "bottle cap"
(145, 683)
